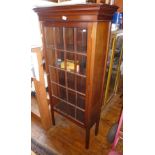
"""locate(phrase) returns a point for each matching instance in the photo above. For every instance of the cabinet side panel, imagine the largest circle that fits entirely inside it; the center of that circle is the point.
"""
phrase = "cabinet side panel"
(99, 39)
(45, 55)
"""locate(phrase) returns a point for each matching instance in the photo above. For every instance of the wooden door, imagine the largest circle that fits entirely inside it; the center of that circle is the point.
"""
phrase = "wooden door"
(66, 58)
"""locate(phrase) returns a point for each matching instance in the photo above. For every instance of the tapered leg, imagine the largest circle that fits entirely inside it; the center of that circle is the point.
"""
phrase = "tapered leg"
(87, 137)
(97, 127)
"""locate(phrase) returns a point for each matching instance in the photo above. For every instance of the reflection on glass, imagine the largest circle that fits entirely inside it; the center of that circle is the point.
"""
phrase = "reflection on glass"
(59, 91)
(49, 37)
(70, 62)
(70, 110)
(59, 59)
(71, 97)
(71, 80)
(81, 40)
(60, 105)
(64, 107)
(81, 101)
(50, 56)
(59, 37)
(61, 77)
(57, 76)
(82, 64)
(66, 54)
(81, 84)
(69, 34)
(79, 115)
(55, 38)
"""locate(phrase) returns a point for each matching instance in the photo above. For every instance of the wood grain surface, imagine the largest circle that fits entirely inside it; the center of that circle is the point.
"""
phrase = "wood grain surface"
(67, 139)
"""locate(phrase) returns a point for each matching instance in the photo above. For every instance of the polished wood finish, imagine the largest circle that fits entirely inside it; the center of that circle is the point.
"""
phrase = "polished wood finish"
(66, 138)
(34, 107)
(94, 19)
(41, 95)
(97, 54)
(79, 13)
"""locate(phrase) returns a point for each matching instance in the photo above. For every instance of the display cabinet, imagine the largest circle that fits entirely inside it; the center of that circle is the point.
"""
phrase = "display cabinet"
(75, 40)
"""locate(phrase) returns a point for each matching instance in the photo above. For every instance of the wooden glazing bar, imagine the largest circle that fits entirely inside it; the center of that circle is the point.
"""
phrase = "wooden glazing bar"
(54, 43)
(75, 91)
(56, 57)
(68, 116)
(64, 41)
(68, 103)
(75, 49)
(84, 76)
(71, 24)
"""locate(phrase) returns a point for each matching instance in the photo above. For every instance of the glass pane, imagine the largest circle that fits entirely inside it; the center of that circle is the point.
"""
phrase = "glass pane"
(81, 40)
(81, 84)
(59, 59)
(59, 105)
(81, 101)
(71, 97)
(57, 76)
(53, 74)
(50, 56)
(69, 34)
(59, 91)
(70, 63)
(61, 75)
(71, 80)
(80, 115)
(81, 67)
(70, 110)
(59, 37)
(63, 107)
(49, 34)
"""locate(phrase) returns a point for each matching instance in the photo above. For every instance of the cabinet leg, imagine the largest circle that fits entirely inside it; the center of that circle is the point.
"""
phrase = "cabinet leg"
(97, 127)
(87, 138)
(53, 118)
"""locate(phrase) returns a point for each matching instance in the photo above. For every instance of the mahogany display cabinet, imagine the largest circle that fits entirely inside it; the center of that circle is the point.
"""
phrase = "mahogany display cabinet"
(75, 40)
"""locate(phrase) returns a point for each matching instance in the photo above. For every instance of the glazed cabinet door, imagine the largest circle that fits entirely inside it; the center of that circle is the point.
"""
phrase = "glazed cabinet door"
(66, 58)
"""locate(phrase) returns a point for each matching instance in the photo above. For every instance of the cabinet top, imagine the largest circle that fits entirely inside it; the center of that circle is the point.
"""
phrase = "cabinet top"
(77, 13)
